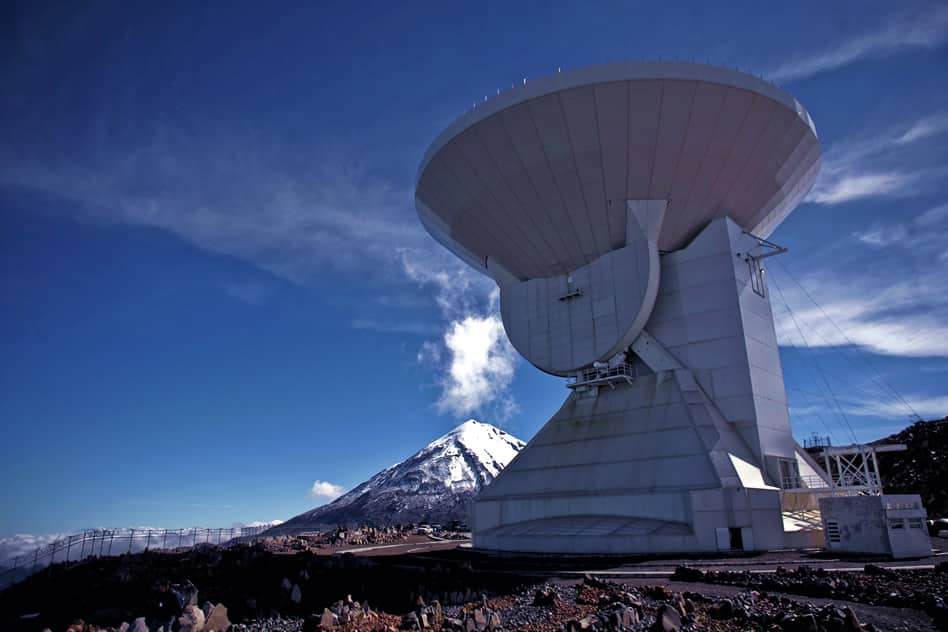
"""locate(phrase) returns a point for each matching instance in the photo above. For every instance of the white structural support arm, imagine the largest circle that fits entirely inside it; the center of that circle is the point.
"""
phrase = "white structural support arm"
(654, 354)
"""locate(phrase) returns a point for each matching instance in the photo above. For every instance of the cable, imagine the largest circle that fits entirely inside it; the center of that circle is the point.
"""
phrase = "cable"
(850, 342)
(815, 362)
(819, 396)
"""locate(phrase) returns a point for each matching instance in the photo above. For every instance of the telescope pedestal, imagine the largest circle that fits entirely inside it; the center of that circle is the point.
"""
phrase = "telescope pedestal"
(689, 456)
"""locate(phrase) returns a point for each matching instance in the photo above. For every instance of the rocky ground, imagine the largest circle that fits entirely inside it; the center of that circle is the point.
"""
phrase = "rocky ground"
(924, 590)
(260, 589)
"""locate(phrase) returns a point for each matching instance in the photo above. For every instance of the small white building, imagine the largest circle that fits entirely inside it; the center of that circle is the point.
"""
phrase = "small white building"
(885, 525)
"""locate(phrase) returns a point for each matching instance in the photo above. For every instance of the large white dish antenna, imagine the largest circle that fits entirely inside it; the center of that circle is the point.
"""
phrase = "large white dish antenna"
(542, 186)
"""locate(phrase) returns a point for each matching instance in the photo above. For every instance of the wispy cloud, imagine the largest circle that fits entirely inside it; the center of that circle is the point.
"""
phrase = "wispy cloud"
(258, 523)
(326, 490)
(299, 219)
(249, 292)
(902, 317)
(235, 194)
(474, 359)
(925, 236)
(20, 543)
(922, 30)
(926, 406)
(412, 327)
(883, 163)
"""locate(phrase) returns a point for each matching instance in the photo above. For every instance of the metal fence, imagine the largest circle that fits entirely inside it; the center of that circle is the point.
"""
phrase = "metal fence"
(106, 542)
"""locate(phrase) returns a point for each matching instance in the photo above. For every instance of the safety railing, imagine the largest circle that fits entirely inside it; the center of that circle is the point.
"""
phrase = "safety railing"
(622, 372)
(839, 482)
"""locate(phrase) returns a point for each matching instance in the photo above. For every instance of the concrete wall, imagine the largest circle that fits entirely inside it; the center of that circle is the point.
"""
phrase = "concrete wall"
(882, 525)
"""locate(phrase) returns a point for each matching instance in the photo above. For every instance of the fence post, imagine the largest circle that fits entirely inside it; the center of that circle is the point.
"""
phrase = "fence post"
(131, 536)
(68, 548)
(148, 539)
(35, 561)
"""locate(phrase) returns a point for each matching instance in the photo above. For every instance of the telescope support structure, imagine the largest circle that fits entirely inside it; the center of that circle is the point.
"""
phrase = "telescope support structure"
(687, 453)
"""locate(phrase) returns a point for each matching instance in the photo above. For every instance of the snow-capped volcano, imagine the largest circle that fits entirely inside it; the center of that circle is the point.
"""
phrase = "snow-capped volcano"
(434, 485)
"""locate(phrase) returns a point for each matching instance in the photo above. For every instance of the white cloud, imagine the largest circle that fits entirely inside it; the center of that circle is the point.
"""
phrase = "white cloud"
(327, 490)
(480, 368)
(21, 543)
(882, 236)
(924, 30)
(935, 216)
(923, 128)
(925, 406)
(298, 217)
(906, 317)
(848, 187)
(924, 237)
(475, 360)
(883, 163)
(234, 194)
(258, 523)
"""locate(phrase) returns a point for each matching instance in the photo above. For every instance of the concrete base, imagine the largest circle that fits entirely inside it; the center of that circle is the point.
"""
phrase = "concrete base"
(683, 459)
(879, 525)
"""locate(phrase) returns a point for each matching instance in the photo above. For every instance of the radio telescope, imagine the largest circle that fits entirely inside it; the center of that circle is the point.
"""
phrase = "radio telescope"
(623, 212)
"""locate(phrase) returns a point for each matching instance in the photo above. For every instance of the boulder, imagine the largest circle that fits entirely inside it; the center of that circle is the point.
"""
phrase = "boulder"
(480, 619)
(437, 613)
(625, 617)
(852, 623)
(545, 596)
(410, 622)
(687, 574)
(217, 620)
(723, 609)
(328, 619)
(493, 621)
(138, 625)
(657, 592)
(667, 619)
(192, 620)
(593, 581)
(453, 624)
(586, 623)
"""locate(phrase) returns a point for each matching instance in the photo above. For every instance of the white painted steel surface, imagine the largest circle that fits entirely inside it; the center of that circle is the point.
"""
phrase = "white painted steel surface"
(565, 191)
(668, 461)
(538, 177)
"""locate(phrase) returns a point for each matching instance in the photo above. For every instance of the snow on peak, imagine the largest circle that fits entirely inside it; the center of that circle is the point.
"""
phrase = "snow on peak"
(435, 480)
(490, 446)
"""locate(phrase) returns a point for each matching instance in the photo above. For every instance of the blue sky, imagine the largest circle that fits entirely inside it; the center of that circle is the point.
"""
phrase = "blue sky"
(218, 305)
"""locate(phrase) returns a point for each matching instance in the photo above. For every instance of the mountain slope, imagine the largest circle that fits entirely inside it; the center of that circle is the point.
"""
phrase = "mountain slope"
(923, 468)
(434, 485)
